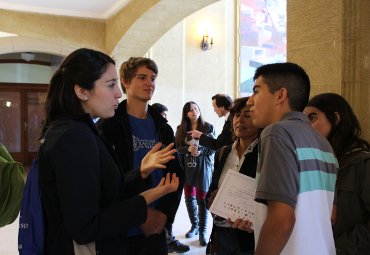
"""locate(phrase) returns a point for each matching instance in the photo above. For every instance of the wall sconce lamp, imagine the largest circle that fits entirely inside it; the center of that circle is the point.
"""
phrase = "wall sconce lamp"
(204, 44)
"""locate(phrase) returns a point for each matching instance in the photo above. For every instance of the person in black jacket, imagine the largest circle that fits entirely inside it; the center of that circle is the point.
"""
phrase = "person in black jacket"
(133, 131)
(241, 156)
(87, 200)
(222, 104)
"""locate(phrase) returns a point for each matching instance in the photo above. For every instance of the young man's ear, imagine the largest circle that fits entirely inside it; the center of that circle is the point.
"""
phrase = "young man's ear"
(81, 93)
(124, 84)
(281, 95)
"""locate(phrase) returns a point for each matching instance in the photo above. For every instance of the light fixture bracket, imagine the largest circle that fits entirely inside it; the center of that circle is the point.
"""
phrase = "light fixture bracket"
(205, 44)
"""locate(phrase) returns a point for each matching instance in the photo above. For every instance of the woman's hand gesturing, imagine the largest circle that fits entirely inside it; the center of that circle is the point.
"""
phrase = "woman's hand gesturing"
(168, 184)
(156, 158)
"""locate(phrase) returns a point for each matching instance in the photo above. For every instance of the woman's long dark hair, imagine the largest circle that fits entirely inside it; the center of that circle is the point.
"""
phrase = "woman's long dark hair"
(345, 135)
(185, 124)
(82, 67)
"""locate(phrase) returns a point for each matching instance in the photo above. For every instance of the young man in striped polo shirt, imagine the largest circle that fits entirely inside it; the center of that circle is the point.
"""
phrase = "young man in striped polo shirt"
(297, 168)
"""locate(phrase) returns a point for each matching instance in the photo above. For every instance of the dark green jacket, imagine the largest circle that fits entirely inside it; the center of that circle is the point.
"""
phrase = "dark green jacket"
(352, 226)
(11, 187)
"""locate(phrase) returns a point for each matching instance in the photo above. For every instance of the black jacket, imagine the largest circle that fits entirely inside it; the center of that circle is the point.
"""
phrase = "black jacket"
(198, 170)
(82, 190)
(223, 139)
(249, 166)
(117, 130)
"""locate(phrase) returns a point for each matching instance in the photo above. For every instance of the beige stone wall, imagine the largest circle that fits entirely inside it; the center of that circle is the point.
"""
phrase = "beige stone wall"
(52, 29)
(314, 41)
(23, 43)
(330, 39)
(356, 59)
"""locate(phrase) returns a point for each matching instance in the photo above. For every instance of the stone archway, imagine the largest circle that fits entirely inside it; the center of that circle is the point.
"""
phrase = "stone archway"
(26, 44)
(150, 26)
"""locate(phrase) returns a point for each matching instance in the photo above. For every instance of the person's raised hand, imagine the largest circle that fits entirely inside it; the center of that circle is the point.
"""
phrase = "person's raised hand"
(193, 150)
(194, 134)
(156, 158)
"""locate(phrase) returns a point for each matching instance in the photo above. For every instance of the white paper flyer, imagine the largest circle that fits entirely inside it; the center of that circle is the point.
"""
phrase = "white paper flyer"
(235, 197)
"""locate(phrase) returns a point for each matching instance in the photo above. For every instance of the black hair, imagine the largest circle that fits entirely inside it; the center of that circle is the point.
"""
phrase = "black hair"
(290, 76)
(223, 100)
(344, 135)
(185, 124)
(129, 68)
(160, 108)
(238, 105)
(82, 67)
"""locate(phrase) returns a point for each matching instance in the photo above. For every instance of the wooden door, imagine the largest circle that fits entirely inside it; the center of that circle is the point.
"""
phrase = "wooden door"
(21, 118)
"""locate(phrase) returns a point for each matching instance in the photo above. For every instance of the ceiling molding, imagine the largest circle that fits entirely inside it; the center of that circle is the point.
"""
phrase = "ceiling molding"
(96, 9)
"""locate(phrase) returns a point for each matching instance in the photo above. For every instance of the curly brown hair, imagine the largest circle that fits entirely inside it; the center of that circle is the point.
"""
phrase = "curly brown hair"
(238, 105)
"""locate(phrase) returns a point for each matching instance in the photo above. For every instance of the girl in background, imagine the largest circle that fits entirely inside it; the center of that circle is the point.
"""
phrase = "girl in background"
(198, 164)
(332, 116)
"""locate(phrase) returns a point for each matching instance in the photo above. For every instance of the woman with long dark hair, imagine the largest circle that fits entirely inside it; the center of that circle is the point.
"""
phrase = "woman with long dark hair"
(198, 164)
(85, 196)
(332, 116)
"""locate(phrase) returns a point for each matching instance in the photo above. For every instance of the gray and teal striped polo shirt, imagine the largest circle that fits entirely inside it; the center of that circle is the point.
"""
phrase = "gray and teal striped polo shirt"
(297, 167)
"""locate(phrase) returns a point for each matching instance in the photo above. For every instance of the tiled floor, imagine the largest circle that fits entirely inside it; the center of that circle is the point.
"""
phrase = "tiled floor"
(9, 234)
